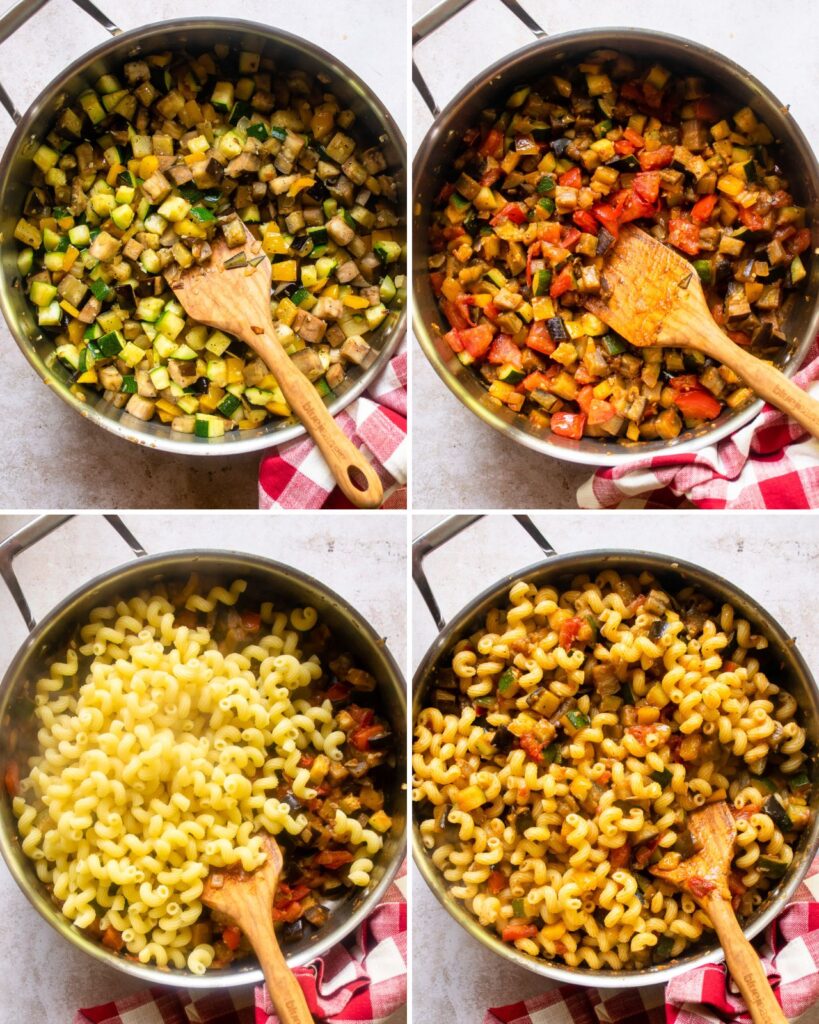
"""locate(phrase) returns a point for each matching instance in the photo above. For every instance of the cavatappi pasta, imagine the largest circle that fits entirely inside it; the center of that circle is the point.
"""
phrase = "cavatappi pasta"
(177, 726)
(567, 743)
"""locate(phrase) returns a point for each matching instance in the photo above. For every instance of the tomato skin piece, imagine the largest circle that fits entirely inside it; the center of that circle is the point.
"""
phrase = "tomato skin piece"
(455, 316)
(751, 219)
(800, 242)
(568, 424)
(231, 936)
(492, 145)
(620, 856)
(600, 411)
(571, 179)
(539, 339)
(513, 932)
(647, 186)
(585, 221)
(684, 235)
(703, 208)
(698, 404)
(564, 282)
(496, 882)
(657, 159)
(539, 380)
(476, 340)
(531, 746)
(504, 350)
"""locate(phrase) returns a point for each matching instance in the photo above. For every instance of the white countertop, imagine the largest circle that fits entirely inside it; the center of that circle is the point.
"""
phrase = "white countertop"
(44, 980)
(83, 465)
(771, 557)
(459, 461)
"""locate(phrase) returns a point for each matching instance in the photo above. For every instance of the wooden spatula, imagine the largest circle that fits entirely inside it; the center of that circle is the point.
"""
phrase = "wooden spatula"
(705, 877)
(656, 299)
(247, 899)
(237, 301)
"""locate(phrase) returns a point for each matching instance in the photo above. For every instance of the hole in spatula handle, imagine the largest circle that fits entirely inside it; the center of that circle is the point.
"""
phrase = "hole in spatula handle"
(357, 478)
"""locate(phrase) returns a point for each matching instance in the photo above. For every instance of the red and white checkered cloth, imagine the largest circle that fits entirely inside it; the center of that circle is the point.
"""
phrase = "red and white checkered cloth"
(705, 995)
(360, 981)
(295, 475)
(771, 463)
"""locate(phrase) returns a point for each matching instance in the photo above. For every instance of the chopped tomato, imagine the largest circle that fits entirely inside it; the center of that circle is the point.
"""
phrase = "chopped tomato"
(620, 856)
(703, 208)
(12, 778)
(436, 279)
(634, 138)
(360, 738)
(701, 887)
(444, 194)
(600, 411)
(656, 159)
(504, 350)
(306, 761)
(706, 110)
(746, 812)
(740, 338)
(252, 621)
(699, 404)
(112, 939)
(531, 746)
(568, 631)
(752, 220)
(333, 859)
(539, 380)
(571, 179)
(623, 147)
(647, 186)
(288, 912)
(477, 340)
(549, 231)
(186, 618)
(568, 424)
(232, 937)
(584, 220)
(532, 253)
(515, 212)
(453, 339)
(539, 338)
(684, 235)
(608, 217)
(455, 315)
(632, 91)
(491, 311)
(799, 242)
(492, 145)
(496, 882)
(569, 237)
(585, 397)
(564, 282)
(625, 206)
(491, 175)
(513, 932)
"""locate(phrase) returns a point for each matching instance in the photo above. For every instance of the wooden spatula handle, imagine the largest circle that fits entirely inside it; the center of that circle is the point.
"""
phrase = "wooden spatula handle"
(352, 471)
(768, 382)
(285, 991)
(744, 965)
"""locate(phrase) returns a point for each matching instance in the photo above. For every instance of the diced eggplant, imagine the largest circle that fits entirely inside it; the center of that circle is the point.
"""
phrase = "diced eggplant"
(355, 349)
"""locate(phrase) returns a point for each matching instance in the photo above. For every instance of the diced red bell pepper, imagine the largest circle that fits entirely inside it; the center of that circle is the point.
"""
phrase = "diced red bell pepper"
(12, 778)
(232, 937)
(564, 282)
(740, 338)
(685, 382)
(512, 211)
(647, 185)
(569, 238)
(585, 221)
(496, 882)
(656, 159)
(539, 380)
(333, 859)
(112, 939)
(634, 138)
(504, 350)
(706, 110)
(571, 179)
(623, 147)
(799, 242)
(568, 630)
(492, 145)
(360, 738)
(703, 208)
(684, 235)
(252, 621)
(699, 404)
(585, 398)
(338, 691)
(568, 424)
(513, 932)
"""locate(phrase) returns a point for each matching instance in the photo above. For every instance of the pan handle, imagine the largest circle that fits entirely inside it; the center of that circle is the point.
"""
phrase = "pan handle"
(439, 15)
(446, 530)
(19, 13)
(33, 532)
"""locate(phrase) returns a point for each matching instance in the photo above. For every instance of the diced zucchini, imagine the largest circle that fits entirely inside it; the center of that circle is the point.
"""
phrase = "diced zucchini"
(209, 426)
(217, 343)
(110, 344)
(164, 347)
(89, 101)
(80, 236)
(41, 293)
(170, 324)
(259, 396)
(132, 355)
(387, 252)
(222, 97)
(50, 315)
(69, 355)
(45, 158)
(387, 289)
(160, 377)
(122, 216)
(229, 404)
(149, 309)
(184, 352)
